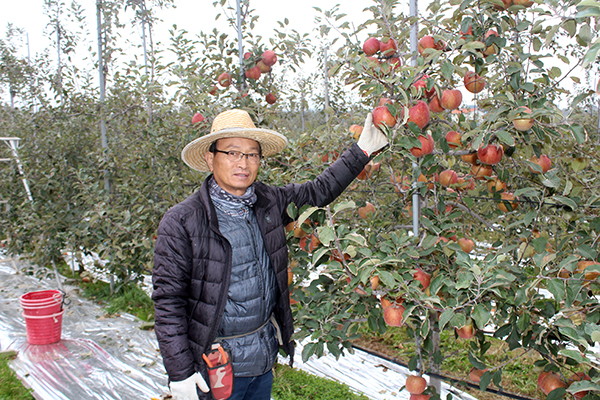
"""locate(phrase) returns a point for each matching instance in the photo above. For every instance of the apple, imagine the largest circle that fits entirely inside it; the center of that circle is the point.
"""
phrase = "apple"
(422, 83)
(524, 3)
(551, 382)
(476, 374)
(372, 167)
(579, 376)
(423, 178)
(388, 48)
(213, 90)
(383, 116)
(467, 245)
(454, 139)
(427, 144)
(371, 46)
(492, 48)
(385, 303)
(392, 314)
(366, 211)
(197, 118)
(466, 332)
(374, 282)
(448, 177)
(469, 32)
(334, 156)
(507, 202)
(496, 185)
(247, 55)
(473, 82)
(480, 171)
(253, 73)
(422, 277)
(415, 384)
(271, 98)
(224, 79)
(451, 99)
(264, 68)
(355, 130)
(590, 275)
(395, 62)
(421, 396)
(428, 42)
(383, 101)
(335, 255)
(434, 104)
(269, 57)
(419, 114)
(465, 184)
(523, 123)
(490, 154)
(470, 158)
(290, 275)
(543, 161)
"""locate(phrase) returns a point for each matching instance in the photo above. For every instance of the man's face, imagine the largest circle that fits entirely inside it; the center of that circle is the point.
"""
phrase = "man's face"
(234, 176)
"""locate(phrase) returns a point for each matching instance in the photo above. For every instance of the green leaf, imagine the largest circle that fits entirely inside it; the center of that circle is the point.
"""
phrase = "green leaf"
(306, 215)
(573, 354)
(447, 316)
(583, 385)
(485, 380)
(505, 137)
(345, 205)
(448, 70)
(591, 55)
(326, 234)
(579, 132)
(557, 288)
(564, 200)
(387, 279)
(308, 350)
(556, 394)
(481, 315)
(475, 362)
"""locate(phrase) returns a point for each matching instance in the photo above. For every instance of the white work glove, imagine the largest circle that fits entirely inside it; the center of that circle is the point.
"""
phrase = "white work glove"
(371, 139)
(186, 389)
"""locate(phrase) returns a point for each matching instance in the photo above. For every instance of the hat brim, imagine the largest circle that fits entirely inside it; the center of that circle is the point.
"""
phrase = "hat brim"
(271, 143)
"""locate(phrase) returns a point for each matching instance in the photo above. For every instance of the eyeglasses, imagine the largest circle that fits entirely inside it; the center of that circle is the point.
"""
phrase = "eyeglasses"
(253, 158)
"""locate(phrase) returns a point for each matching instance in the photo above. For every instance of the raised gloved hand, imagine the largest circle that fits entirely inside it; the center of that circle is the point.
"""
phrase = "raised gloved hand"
(186, 389)
(371, 139)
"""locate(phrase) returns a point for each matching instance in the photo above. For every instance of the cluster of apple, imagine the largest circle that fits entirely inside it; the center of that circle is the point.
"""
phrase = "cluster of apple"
(382, 53)
(549, 381)
(416, 386)
(254, 68)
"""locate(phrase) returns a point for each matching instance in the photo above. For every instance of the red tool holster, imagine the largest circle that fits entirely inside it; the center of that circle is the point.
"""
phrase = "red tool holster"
(220, 371)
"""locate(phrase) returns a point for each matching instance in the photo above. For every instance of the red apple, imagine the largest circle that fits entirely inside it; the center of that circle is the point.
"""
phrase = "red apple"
(428, 42)
(421, 396)
(481, 171)
(270, 98)
(451, 99)
(454, 139)
(395, 62)
(427, 144)
(508, 202)
(467, 245)
(544, 162)
(264, 68)
(224, 79)
(197, 118)
(392, 314)
(247, 55)
(496, 185)
(371, 46)
(492, 48)
(422, 277)
(355, 130)
(504, 6)
(473, 82)
(213, 90)
(579, 376)
(469, 32)
(524, 3)
(470, 158)
(388, 48)
(415, 384)
(253, 73)
(367, 211)
(422, 84)
(448, 177)
(383, 116)
(434, 104)
(551, 382)
(466, 332)
(269, 57)
(419, 114)
(523, 123)
(476, 374)
(490, 154)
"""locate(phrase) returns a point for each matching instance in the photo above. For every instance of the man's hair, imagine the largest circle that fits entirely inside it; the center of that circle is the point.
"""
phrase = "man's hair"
(213, 147)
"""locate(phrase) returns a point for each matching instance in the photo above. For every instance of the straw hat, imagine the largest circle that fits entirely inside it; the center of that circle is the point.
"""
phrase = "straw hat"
(231, 124)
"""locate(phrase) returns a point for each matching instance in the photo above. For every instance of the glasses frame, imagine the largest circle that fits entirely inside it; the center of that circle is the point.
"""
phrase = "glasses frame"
(247, 155)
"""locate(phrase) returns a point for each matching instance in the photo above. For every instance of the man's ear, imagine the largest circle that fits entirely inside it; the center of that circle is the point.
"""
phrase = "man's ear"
(208, 156)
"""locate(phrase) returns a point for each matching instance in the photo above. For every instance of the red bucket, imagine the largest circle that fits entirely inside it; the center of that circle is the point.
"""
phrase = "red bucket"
(43, 309)
(41, 296)
(43, 329)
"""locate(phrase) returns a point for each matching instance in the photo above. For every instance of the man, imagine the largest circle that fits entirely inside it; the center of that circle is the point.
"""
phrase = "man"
(220, 264)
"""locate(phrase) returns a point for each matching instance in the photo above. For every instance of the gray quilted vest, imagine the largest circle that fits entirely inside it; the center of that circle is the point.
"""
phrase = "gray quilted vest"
(246, 329)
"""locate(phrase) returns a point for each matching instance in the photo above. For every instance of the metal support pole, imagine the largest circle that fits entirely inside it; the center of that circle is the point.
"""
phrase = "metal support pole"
(13, 143)
(240, 39)
(414, 40)
(103, 138)
(326, 83)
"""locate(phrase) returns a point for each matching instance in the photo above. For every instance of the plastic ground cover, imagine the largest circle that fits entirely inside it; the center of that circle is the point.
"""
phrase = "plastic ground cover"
(102, 357)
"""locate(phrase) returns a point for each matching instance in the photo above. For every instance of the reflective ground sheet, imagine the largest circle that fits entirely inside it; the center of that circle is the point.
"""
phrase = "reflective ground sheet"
(111, 358)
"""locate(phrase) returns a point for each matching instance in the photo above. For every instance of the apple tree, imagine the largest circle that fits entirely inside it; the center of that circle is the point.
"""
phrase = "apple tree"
(483, 141)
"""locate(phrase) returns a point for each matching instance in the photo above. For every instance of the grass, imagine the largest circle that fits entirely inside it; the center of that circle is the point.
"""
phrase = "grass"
(293, 384)
(11, 387)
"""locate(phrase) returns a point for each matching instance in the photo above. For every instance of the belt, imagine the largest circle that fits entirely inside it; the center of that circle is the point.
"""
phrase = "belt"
(271, 319)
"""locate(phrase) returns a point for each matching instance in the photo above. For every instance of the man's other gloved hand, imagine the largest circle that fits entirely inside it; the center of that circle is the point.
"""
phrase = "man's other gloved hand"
(186, 389)
(371, 139)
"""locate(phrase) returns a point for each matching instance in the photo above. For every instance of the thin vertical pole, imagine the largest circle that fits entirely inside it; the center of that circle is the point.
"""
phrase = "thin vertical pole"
(14, 144)
(104, 140)
(414, 31)
(325, 61)
(240, 38)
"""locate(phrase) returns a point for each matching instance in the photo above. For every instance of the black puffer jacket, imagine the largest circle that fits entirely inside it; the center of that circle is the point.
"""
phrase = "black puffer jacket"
(192, 263)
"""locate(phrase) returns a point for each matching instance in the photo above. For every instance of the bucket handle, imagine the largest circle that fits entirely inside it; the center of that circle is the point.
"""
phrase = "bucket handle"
(65, 302)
